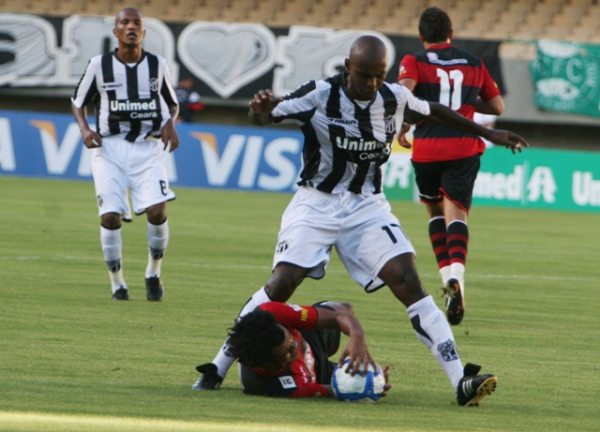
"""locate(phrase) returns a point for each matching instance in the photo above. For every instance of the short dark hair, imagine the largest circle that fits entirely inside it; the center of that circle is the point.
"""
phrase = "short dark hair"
(253, 338)
(435, 25)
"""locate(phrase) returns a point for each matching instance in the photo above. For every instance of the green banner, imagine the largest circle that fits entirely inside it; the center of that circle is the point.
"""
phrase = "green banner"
(539, 178)
(536, 178)
(566, 77)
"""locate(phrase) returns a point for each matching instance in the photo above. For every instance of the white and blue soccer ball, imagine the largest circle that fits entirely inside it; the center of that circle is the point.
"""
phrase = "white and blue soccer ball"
(358, 388)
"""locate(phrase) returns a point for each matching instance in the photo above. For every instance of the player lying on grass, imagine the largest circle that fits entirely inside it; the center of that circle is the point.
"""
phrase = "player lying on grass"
(284, 349)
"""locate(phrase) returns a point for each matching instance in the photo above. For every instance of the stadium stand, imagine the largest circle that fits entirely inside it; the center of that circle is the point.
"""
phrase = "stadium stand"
(509, 20)
(517, 23)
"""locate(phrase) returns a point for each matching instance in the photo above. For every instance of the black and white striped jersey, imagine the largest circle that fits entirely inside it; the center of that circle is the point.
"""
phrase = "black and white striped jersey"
(131, 100)
(346, 141)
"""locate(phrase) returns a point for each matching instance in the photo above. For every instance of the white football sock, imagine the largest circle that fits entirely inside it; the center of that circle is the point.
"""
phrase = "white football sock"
(432, 328)
(445, 274)
(158, 239)
(112, 249)
(457, 271)
(222, 360)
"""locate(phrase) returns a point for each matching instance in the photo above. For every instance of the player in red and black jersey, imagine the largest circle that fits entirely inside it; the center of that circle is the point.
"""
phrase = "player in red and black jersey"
(445, 160)
(284, 349)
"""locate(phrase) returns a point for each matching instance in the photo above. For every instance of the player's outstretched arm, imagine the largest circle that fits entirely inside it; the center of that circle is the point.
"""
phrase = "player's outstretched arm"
(342, 317)
(444, 116)
(493, 106)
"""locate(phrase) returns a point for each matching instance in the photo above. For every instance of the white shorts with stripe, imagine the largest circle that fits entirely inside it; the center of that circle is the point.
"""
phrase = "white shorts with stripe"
(120, 167)
(363, 230)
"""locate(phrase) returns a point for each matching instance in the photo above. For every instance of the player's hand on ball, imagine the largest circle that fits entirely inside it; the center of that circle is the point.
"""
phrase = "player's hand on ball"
(386, 375)
(359, 358)
(366, 387)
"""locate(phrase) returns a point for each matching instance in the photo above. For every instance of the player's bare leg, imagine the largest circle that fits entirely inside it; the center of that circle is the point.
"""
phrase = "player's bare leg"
(158, 239)
(457, 233)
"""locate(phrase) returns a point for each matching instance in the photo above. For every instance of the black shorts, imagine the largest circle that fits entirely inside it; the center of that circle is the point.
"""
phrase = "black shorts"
(324, 344)
(454, 179)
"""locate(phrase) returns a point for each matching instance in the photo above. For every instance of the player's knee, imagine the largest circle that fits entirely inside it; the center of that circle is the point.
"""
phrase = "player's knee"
(280, 287)
(111, 221)
(404, 281)
(280, 291)
(157, 214)
(283, 281)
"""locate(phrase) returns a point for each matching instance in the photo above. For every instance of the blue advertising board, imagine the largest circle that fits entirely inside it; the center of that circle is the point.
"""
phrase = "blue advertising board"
(269, 159)
(209, 156)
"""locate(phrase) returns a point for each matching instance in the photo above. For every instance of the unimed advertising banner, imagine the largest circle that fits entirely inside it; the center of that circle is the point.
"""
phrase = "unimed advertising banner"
(566, 77)
(269, 159)
(539, 178)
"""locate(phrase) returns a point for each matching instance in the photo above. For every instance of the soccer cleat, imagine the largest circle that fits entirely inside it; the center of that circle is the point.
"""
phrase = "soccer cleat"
(154, 289)
(210, 379)
(121, 294)
(455, 302)
(472, 387)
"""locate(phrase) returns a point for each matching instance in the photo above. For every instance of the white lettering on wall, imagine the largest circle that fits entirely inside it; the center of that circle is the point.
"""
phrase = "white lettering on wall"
(31, 41)
(275, 156)
(250, 162)
(57, 155)
(397, 171)
(586, 190)
(7, 152)
(225, 56)
(326, 50)
(219, 167)
(500, 186)
(541, 185)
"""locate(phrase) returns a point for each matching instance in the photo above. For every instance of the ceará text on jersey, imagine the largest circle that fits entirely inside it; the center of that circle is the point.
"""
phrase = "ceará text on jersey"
(133, 109)
(358, 149)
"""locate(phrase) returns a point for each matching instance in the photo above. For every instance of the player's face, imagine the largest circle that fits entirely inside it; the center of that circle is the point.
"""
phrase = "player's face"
(129, 28)
(365, 77)
(285, 353)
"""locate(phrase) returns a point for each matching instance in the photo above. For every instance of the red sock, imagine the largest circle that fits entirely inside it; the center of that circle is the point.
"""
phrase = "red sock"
(438, 238)
(458, 239)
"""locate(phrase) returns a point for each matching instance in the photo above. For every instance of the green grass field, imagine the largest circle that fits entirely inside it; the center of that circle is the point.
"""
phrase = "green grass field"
(73, 360)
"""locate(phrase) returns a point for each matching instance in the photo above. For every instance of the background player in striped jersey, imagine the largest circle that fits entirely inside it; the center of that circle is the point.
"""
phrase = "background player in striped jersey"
(349, 123)
(136, 109)
(445, 161)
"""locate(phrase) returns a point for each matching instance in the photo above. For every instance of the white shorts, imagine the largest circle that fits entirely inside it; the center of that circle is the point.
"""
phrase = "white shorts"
(363, 230)
(119, 167)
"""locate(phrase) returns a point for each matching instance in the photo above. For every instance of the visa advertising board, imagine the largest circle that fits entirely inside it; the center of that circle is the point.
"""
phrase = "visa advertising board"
(269, 159)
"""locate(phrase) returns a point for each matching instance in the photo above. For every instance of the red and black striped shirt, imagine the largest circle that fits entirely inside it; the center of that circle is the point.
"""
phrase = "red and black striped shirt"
(454, 78)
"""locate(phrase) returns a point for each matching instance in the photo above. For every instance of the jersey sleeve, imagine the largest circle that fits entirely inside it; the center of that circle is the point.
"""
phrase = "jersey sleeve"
(86, 89)
(408, 68)
(300, 105)
(291, 315)
(489, 89)
(408, 100)
(167, 91)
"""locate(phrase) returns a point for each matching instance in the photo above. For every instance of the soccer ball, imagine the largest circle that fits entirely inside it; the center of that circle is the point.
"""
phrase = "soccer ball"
(359, 388)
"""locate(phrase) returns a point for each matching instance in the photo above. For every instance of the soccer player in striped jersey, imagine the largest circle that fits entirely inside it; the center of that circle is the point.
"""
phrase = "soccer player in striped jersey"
(349, 123)
(135, 123)
(446, 161)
